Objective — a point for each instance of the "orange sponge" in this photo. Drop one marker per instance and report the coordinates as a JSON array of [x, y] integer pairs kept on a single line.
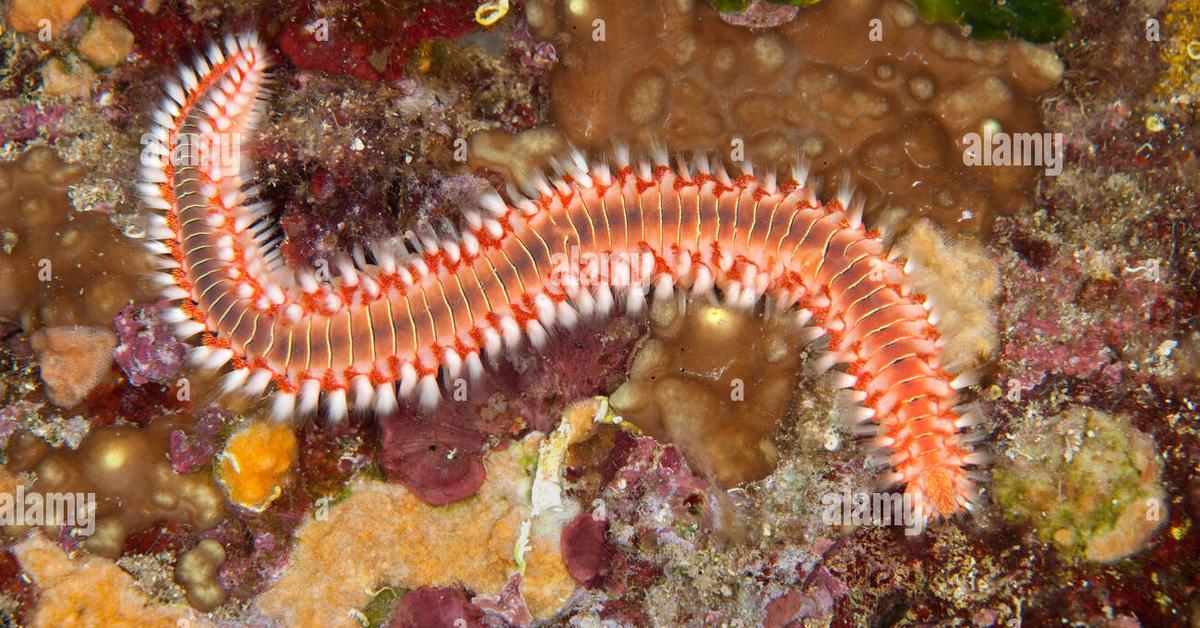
[[255, 461]]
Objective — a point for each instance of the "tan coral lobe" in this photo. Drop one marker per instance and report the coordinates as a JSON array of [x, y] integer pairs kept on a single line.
[[128, 471], [72, 360], [60, 266], [715, 382]]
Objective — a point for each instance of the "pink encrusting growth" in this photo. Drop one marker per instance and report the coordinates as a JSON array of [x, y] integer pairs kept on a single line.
[[588, 241]]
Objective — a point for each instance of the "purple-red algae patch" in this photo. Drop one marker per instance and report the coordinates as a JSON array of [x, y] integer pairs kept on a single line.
[[147, 349], [586, 551], [438, 457], [435, 606]]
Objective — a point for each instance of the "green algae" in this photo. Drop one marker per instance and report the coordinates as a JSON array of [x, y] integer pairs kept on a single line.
[[1039, 21], [379, 610], [1090, 486]]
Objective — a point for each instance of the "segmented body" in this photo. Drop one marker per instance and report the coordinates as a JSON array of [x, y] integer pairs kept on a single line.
[[593, 239]]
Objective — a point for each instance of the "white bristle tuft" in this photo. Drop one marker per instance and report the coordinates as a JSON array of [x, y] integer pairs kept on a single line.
[[474, 366], [218, 358], [408, 380], [385, 398], [881, 442], [256, 385], [969, 420], [430, 393], [511, 333], [364, 392], [537, 334], [283, 406], [825, 361], [335, 405], [862, 414], [978, 458], [566, 315], [199, 355], [492, 342], [156, 247], [235, 380], [635, 300], [966, 379], [494, 205], [453, 363], [842, 380], [189, 328], [310, 395]]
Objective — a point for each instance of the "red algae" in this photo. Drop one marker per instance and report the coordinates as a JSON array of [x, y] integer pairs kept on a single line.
[[586, 551], [163, 30], [439, 457], [373, 41], [429, 606], [147, 351]]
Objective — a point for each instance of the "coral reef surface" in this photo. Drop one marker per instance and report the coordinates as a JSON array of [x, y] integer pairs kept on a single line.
[[1032, 165]]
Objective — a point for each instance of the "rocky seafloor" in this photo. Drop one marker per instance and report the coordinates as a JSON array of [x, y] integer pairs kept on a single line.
[[611, 479]]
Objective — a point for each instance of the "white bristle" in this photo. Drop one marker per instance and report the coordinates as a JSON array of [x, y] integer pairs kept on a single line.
[[189, 328], [537, 334], [966, 379], [218, 358], [257, 383], [453, 363], [385, 398], [825, 361], [978, 458], [283, 406], [430, 393], [474, 365], [408, 380], [234, 381], [861, 414], [511, 333], [174, 315], [968, 420], [635, 300], [493, 204], [310, 395], [364, 392], [492, 342], [335, 405], [842, 380]]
